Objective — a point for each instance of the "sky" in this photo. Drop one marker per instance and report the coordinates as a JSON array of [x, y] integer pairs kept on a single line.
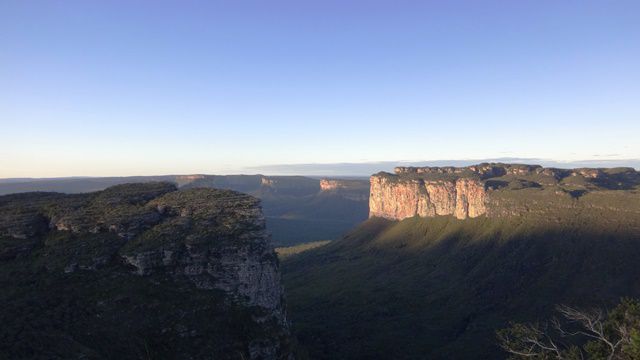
[[105, 88]]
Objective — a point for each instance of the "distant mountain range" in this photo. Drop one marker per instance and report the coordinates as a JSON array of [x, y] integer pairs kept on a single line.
[[368, 168]]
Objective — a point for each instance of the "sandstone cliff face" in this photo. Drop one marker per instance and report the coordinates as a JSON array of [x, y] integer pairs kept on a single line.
[[394, 199], [337, 184], [207, 249], [330, 185], [240, 262], [355, 190], [490, 189], [288, 185]]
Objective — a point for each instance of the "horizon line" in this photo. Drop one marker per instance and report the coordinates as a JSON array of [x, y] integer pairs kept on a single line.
[[359, 169]]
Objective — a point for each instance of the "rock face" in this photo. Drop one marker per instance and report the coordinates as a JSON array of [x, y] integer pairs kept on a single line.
[[242, 262], [393, 199], [182, 180], [335, 184], [487, 189], [355, 190], [290, 185], [208, 250]]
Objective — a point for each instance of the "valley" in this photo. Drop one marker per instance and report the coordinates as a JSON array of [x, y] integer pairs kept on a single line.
[[298, 209], [447, 257], [429, 276]]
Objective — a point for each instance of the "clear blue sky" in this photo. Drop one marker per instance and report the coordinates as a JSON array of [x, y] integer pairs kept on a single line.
[[154, 87]]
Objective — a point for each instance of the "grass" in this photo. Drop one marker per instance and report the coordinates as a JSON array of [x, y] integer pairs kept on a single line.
[[438, 288], [285, 252]]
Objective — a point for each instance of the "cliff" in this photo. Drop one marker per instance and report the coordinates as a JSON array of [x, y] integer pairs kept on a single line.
[[140, 269], [355, 190], [288, 185], [338, 184], [296, 207], [497, 190]]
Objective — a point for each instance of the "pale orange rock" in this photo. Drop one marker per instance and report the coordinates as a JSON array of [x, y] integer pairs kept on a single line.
[[393, 199], [329, 185], [486, 189]]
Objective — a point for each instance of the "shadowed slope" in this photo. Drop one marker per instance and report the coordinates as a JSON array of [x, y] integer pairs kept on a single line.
[[440, 287]]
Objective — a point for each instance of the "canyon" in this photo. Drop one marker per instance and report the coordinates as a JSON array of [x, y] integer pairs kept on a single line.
[[299, 209], [186, 267]]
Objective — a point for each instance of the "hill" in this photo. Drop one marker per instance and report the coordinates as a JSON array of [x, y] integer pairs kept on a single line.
[[139, 271], [424, 285]]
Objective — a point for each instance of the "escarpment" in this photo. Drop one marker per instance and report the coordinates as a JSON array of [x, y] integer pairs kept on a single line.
[[394, 199], [497, 190], [339, 184], [354, 190], [144, 269]]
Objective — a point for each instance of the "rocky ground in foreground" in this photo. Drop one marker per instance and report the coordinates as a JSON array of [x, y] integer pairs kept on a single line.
[[139, 271]]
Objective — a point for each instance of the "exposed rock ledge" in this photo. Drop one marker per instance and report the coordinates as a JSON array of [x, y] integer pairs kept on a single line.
[[188, 243], [401, 199], [468, 192]]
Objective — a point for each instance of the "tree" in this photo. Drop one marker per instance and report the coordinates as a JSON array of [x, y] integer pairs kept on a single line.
[[578, 334]]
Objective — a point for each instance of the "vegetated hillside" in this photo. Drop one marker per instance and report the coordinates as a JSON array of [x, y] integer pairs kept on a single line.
[[139, 271], [439, 287], [284, 252], [297, 208]]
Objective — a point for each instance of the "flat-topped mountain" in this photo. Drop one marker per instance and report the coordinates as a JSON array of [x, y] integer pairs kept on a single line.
[[139, 271], [499, 190], [357, 190], [451, 255]]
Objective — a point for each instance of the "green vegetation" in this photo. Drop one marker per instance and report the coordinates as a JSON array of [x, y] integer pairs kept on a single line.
[[285, 252], [429, 176], [578, 334], [439, 288], [111, 314], [68, 292], [296, 210]]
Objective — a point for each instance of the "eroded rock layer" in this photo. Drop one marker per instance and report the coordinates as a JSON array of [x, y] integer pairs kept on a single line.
[[491, 189], [205, 251], [355, 190]]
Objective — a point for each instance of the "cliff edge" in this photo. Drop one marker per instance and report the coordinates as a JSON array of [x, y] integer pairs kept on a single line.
[[498, 190], [139, 270]]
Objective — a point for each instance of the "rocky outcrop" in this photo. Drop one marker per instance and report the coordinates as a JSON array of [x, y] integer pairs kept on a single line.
[[182, 180], [229, 249], [290, 185], [337, 184], [354, 190], [395, 199], [185, 244], [488, 189]]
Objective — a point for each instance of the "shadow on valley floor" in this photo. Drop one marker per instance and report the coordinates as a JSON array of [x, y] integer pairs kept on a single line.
[[439, 288]]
